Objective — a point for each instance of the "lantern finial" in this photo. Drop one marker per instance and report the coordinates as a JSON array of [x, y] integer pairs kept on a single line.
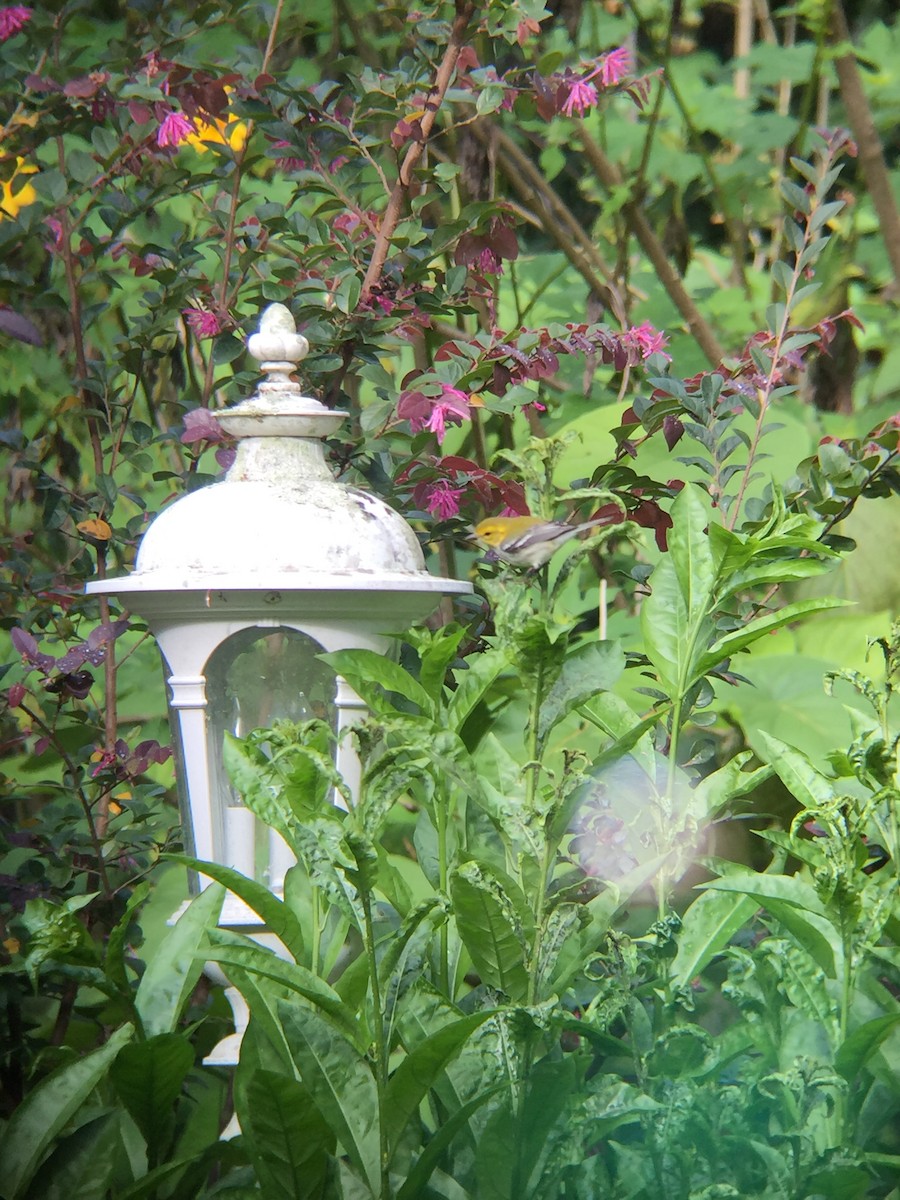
[[277, 340]]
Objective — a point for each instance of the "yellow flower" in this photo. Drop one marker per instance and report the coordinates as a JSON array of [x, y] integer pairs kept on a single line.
[[13, 194], [231, 133]]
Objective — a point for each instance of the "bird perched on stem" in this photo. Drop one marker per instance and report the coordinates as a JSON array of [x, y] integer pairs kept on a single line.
[[527, 541]]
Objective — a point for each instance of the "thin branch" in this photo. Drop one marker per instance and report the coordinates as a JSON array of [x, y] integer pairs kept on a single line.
[[464, 12], [871, 153], [558, 221], [611, 178]]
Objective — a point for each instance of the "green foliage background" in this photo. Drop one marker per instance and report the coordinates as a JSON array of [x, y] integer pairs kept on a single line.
[[675, 211]]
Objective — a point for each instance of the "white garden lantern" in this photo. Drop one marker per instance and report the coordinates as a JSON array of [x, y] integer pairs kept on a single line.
[[243, 583]]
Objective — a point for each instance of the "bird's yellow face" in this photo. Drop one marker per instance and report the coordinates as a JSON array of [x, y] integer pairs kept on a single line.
[[495, 530]]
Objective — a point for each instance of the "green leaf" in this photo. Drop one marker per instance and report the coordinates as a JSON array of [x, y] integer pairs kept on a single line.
[[811, 789], [273, 913], [114, 963], [250, 772], [81, 1165], [341, 1084], [287, 1138], [490, 929], [413, 1078], [173, 971], [593, 668], [418, 1176], [786, 889], [226, 348], [369, 672], [726, 646], [676, 617], [347, 297], [858, 1048], [48, 1108], [795, 905], [708, 925], [728, 783], [231, 949], [148, 1077]]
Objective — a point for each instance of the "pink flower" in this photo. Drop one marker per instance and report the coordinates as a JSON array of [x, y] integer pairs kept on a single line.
[[582, 96], [615, 66], [451, 408], [434, 413], [647, 340], [490, 262], [174, 129], [443, 499], [204, 324], [12, 19]]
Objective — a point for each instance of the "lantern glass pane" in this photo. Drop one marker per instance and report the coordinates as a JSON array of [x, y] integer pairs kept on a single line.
[[253, 679]]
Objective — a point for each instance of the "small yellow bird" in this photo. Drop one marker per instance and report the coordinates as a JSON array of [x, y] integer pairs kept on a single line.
[[527, 541]]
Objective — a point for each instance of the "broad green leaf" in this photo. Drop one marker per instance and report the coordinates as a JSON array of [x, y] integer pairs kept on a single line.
[[666, 629], [341, 1084], [811, 789], [708, 925], [250, 773], [490, 929], [728, 783], [473, 684], [691, 553], [676, 616], [731, 643], [288, 1140], [595, 667], [516, 1143], [413, 1078], [857, 1049], [437, 656], [562, 948], [795, 905], [172, 973], [274, 913], [231, 949], [81, 1165], [148, 1077], [425, 1164], [787, 889], [48, 1108], [262, 996], [618, 720], [368, 672]]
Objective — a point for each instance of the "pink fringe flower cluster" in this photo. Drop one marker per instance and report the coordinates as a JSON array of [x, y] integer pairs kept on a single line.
[[610, 70], [13, 18], [204, 324], [647, 340], [435, 413], [174, 129]]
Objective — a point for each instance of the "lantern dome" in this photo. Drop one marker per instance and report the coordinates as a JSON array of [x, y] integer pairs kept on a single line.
[[280, 520]]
